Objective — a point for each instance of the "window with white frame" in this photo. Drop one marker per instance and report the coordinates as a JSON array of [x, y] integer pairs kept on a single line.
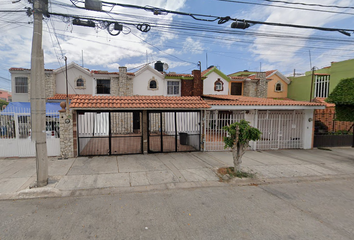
[[172, 88], [278, 87], [218, 85], [321, 86], [21, 84], [103, 86]]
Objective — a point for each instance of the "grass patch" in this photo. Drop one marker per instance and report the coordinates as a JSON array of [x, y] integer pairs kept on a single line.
[[229, 171]]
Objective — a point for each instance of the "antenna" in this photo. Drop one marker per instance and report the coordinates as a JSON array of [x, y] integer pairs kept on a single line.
[[206, 56], [82, 58], [310, 58]]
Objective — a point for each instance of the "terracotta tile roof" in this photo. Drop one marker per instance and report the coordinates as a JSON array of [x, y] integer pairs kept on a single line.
[[207, 70], [178, 75], [26, 69], [322, 100], [237, 77], [106, 72], [322, 74], [253, 101], [63, 96], [137, 102]]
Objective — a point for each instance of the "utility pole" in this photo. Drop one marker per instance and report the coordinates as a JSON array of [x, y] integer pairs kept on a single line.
[[37, 94]]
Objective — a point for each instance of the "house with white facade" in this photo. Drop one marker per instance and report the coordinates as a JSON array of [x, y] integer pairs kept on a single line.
[[132, 108]]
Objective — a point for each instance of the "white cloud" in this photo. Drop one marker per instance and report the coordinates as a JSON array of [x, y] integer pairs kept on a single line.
[[288, 53], [99, 48], [192, 46]]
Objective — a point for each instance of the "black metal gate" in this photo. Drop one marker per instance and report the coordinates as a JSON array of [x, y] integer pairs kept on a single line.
[[175, 131], [109, 133]]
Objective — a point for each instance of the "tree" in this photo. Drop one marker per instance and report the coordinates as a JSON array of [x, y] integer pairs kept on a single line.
[[2, 103], [343, 96], [239, 135]]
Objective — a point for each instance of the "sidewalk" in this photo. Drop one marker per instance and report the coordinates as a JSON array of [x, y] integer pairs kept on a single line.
[[114, 174]]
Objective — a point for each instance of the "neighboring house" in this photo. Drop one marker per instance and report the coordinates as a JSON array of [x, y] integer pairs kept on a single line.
[[277, 83], [324, 81], [146, 81], [284, 123], [5, 95], [270, 84], [20, 84]]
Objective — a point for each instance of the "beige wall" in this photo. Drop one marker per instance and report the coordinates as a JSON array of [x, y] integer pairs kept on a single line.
[[271, 88]]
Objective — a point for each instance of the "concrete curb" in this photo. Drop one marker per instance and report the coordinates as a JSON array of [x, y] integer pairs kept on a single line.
[[50, 192]]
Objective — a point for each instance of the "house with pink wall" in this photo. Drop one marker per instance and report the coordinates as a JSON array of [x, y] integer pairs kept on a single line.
[[5, 95]]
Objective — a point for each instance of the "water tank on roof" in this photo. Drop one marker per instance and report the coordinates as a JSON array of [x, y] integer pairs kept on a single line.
[[159, 66]]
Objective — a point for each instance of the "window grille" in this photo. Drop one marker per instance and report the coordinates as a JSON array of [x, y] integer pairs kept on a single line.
[[173, 88], [321, 86], [21, 84], [103, 86]]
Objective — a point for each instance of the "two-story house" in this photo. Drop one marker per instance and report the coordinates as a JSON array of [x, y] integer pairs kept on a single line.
[[320, 82], [269, 84]]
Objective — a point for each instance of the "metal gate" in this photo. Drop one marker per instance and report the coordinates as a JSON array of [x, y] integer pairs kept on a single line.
[[15, 133], [214, 122], [109, 133], [280, 129], [174, 131]]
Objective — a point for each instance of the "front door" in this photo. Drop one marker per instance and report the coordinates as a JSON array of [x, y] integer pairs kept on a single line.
[[236, 88]]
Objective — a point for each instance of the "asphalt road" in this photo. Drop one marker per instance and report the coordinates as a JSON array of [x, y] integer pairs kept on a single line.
[[307, 210]]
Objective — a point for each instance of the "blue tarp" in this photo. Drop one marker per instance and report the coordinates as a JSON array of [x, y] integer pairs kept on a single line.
[[25, 107]]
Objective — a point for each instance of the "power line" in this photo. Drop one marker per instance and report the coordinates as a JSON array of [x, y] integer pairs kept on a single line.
[[279, 6], [221, 20], [310, 4]]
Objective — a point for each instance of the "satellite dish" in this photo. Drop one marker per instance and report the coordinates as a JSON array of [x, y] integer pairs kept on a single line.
[[165, 66]]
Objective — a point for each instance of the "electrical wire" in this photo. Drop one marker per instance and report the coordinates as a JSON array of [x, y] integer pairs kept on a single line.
[[287, 7], [310, 4], [222, 20]]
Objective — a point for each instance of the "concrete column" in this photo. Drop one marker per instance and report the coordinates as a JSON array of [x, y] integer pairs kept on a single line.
[[145, 132], [37, 95]]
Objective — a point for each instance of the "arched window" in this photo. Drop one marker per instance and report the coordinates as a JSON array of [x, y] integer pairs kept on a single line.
[[153, 84], [80, 83], [278, 87], [218, 85]]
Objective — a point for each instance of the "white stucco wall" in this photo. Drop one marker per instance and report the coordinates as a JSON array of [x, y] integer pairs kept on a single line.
[[74, 74], [141, 84], [307, 134], [19, 97], [208, 84]]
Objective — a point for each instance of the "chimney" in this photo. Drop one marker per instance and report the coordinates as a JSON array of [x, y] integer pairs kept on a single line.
[[262, 85], [123, 82], [197, 83]]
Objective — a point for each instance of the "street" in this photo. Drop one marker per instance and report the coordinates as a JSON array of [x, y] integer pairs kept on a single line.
[[306, 210]]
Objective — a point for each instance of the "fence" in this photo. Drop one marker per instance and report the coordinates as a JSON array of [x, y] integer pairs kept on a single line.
[[15, 133], [280, 129], [329, 132], [214, 122]]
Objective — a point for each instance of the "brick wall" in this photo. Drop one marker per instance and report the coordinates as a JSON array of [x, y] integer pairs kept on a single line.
[[327, 117], [186, 87], [197, 83]]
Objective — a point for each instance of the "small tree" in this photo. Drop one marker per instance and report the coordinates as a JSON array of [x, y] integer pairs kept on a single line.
[[2, 103], [239, 135]]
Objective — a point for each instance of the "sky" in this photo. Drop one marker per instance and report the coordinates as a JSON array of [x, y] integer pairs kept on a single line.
[[181, 41]]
